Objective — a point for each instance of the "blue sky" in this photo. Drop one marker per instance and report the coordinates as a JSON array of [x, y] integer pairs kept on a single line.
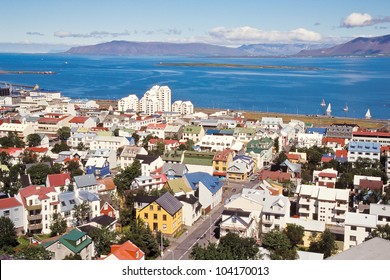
[[223, 22]]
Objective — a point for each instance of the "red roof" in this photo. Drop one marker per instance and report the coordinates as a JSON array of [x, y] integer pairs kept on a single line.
[[108, 182], [58, 180], [37, 149], [326, 174], [127, 251], [222, 155], [157, 126], [50, 120], [293, 156], [10, 151], [40, 191], [326, 159], [339, 141], [275, 175], [370, 184], [371, 133], [341, 153], [11, 202], [79, 120]]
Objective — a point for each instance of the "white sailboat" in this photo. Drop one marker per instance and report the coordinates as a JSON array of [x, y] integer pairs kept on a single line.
[[328, 110], [346, 108], [323, 104], [368, 114]]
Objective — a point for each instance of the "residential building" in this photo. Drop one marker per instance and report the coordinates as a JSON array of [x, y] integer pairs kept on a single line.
[[271, 123], [98, 166], [22, 130], [12, 208], [127, 251], [84, 122], [213, 143], [173, 131], [162, 213], [67, 201], [157, 99], [128, 103], [207, 188], [221, 162], [382, 138], [58, 181], [198, 161], [129, 153], [86, 182], [149, 164], [169, 145], [307, 140], [364, 150], [244, 134], [174, 170], [156, 130], [240, 168], [322, 204], [193, 133], [75, 242], [341, 130], [239, 222], [183, 107], [149, 183], [275, 213], [357, 228], [192, 209], [109, 142], [382, 213], [326, 177], [310, 227]]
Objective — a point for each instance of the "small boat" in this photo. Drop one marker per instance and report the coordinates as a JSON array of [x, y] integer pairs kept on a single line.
[[328, 110], [323, 104], [368, 115], [346, 108]]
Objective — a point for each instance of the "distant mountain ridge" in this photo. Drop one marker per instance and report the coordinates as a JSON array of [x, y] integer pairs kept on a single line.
[[357, 47]]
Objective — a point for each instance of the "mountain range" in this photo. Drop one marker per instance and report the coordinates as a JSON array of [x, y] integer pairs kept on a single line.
[[356, 47]]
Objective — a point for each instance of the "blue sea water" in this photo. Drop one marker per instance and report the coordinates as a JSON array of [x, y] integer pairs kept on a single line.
[[360, 83]]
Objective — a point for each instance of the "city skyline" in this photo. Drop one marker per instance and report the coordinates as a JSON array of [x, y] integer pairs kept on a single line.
[[230, 23]]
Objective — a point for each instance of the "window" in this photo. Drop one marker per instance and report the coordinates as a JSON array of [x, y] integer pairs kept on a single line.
[[352, 238], [353, 227], [158, 208], [151, 207], [63, 203], [146, 216], [155, 216], [368, 230], [72, 201], [6, 213], [164, 217]]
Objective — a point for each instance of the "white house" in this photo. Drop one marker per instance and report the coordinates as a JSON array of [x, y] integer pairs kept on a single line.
[[307, 140], [22, 130], [192, 209], [129, 153], [109, 142], [275, 213], [128, 103], [239, 222], [326, 177], [358, 227], [13, 209], [183, 107], [364, 150]]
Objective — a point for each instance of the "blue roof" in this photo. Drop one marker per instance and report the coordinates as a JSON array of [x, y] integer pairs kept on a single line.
[[131, 141], [319, 130], [212, 131], [358, 146], [212, 183]]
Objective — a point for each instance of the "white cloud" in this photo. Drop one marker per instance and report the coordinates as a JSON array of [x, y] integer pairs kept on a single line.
[[93, 34], [357, 20], [35, 33], [247, 34]]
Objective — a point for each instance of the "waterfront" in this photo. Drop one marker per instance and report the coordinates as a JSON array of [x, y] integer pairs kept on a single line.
[[296, 86]]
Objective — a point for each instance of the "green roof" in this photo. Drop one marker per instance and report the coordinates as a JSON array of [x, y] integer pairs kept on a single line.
[[246, 130], [178, 185], [192, 129], [104, 133], [198, 158], [172, 156], [69, 240], [257, 146]]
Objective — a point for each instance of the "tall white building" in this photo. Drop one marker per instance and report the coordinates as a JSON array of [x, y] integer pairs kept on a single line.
[[183, 107], [128, 103], [158, 98]]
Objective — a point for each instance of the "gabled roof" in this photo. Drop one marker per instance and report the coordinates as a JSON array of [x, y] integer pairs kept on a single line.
[[210, 182], [85, 180], [79, 120], [294, 167], [57, 180], [190, 199], [126, 251], [170, 203], [146, 159], [10, 202], [67, 201], [103, 220], [178, 168], [40, 191], [69, 240], [88, 196], [222, 155], [179, 185], [373, 249]]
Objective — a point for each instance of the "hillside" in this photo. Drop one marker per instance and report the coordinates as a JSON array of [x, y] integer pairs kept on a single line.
[[356, 47]]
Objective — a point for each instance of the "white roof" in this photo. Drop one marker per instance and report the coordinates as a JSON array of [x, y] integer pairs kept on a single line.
[[309, 256], [380, 209], [309, 225], [323, 193], [96, 161], [360, 219]]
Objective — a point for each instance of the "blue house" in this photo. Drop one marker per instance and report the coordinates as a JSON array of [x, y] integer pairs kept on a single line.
[[98, 166]]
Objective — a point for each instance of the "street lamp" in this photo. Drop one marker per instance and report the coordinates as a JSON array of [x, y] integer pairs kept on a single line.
[[173, 253]]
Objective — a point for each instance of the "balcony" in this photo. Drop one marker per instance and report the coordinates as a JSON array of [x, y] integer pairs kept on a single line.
[[34, 227], [341, 207], [268, 222], [304, 201], [34, 217], [304, 210], [34, 207]]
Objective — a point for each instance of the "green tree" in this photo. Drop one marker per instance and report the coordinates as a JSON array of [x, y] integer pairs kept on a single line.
[[295, 234], [81, 213], [325, 244], [124, 179], [29, 157], [116, 132], [279, 246], [63, 133], [72, 257], [33, 252], [165, 240], [81, 146], [33, 140], [159, 149], [58, 225], [5, 159], [136, 138], [56, 168], [38, 173], [276, 144], [8, 236], [381, 231], [103, 239], [280, 158], [230, 247], [58, 148], [12, 140], [73, 167]]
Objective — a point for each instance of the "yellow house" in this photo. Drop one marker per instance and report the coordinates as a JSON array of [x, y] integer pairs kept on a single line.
[[162, 213], [221, 162]]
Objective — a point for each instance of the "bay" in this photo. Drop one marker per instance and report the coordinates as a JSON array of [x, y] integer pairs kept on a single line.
[[359, 83]]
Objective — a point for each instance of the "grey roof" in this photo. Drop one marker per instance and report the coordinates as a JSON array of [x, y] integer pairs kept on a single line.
[[85, 180], [276, 205], [178, 168], [88, 196], [170, 203], [65, 201], [373, 249], [295, 167], [29, 165], [190, 199]]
